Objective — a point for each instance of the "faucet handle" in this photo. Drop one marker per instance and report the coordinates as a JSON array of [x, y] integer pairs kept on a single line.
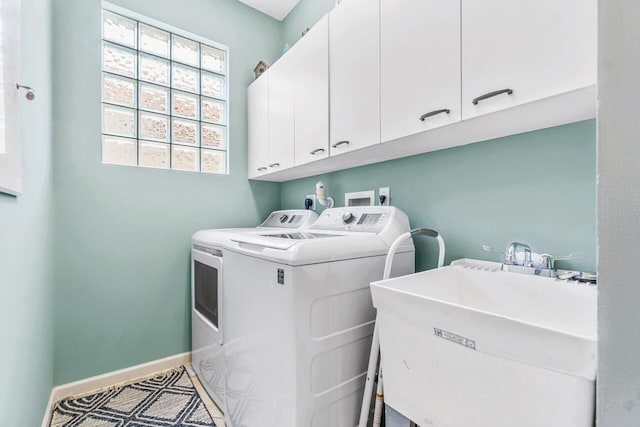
[[547, 261]]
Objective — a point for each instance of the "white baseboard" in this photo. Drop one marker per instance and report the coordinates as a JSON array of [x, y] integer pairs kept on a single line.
[[112, 378], [47, 412]]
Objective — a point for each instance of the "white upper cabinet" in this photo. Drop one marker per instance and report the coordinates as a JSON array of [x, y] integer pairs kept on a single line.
[[258, 126], [420, 75], [518, 51], [311, 58], [281, 114], [420, 65], [354, 75]]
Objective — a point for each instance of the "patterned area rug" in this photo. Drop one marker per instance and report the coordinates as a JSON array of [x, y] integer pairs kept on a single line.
[[166, 399]]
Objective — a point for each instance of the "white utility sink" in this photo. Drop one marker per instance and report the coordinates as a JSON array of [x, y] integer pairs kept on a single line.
[[472, 346]]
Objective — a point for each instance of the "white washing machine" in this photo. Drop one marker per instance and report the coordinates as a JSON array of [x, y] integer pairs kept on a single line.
[[208, 313], [298, 337]]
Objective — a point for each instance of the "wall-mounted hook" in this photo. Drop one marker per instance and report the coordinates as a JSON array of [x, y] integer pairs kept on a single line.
[[30, 93]]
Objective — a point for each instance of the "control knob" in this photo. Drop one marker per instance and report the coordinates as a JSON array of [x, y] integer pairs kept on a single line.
[[347, 217], [284, 218]]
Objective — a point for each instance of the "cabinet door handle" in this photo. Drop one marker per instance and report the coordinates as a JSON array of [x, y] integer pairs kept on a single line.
[[434, 113], [339, 143], [317, 150], [491, 95], [262, 168], [274, 165]]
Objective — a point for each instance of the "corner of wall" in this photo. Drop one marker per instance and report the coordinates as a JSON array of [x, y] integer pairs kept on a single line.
[[26, 236]]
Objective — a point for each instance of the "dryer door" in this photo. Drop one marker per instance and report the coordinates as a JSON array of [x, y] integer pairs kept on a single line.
[[207, 288]]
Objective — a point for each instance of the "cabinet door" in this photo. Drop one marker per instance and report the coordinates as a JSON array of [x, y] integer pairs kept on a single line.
[[420, 65], [258, 126], [354, 75], [281, 114], [311, 57], [518, 51]]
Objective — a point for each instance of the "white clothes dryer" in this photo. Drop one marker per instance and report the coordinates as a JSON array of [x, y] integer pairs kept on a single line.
[[299, 317], [208, 312]]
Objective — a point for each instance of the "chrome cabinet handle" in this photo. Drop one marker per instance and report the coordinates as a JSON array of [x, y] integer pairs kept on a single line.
[[262, 168], [317, 150], [274, 165], [434, 113], [339, 143], [491, 95]]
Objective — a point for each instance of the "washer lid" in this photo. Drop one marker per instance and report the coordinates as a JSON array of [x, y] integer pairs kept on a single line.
[[312, 249], [278, 221], [298, 235], [280, 241]]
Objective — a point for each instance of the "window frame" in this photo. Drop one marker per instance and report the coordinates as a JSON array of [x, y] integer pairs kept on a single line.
[[11, 156], [202, 41]]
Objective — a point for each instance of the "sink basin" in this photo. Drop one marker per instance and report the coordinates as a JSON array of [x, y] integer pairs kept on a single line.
[[470, 345]]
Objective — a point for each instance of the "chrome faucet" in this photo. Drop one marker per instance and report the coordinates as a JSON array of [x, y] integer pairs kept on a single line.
[[511, 258], [530, 262], [541, 266]]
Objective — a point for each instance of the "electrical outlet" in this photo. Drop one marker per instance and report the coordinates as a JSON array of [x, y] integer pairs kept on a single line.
[[386, 192], [313, 201]]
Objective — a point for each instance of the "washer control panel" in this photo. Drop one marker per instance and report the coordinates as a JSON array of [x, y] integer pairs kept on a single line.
[[368, 219], [295, 218]]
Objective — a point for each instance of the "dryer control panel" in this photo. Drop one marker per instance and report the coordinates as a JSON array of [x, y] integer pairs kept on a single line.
[[367, 219]]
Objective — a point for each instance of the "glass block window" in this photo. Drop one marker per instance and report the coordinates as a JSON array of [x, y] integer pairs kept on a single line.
[[164, 97]]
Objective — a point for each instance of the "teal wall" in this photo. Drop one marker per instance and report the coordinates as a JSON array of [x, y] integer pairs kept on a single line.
[[538, 188], [26, 364], [304, 16], [122, 234]]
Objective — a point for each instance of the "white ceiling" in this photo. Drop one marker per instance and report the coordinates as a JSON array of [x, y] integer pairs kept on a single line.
[[278, 9]]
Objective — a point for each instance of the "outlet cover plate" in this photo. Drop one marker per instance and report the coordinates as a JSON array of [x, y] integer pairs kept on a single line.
[[313, 198], [385, 191]]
